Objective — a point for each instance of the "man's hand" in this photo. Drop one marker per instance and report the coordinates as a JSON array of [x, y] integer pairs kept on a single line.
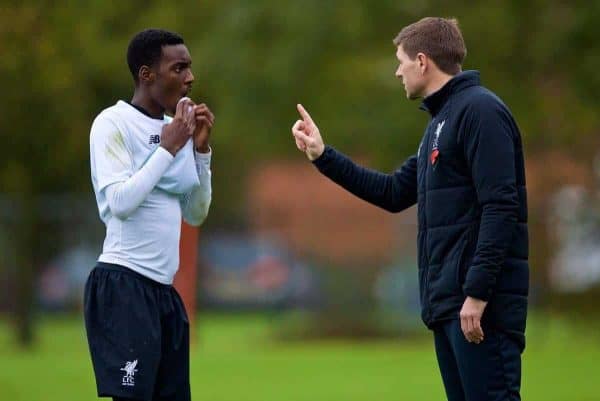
[[307, 135], [175, 134], [470, 319], [205, 120]]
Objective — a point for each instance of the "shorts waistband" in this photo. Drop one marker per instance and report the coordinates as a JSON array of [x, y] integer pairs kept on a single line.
[[126, 270]]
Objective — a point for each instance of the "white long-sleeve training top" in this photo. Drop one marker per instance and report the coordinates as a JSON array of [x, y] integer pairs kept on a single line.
[[142, 191]]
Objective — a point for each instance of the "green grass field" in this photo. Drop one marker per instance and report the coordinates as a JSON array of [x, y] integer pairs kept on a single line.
[[235, 359]]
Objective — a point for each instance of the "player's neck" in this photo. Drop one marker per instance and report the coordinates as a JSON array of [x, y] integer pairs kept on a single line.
[[145, 102]]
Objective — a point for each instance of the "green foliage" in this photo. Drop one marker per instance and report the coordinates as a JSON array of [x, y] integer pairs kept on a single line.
[[254, 60]]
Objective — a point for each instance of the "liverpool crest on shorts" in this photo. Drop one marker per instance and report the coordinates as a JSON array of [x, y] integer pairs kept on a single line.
[[129, 369]]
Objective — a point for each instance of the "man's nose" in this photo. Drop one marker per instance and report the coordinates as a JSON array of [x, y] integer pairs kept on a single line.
[[189, 79]]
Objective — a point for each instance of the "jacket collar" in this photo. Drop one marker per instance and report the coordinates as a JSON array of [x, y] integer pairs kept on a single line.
[[434, 102]]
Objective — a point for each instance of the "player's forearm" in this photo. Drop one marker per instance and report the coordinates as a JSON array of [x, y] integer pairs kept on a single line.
[[125, 197], [196, 204]]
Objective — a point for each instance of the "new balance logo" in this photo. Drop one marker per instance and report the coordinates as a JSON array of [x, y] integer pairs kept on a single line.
[[154, 139], [129, 369]]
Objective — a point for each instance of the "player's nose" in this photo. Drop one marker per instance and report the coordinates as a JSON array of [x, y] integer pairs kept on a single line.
[[189, 78]]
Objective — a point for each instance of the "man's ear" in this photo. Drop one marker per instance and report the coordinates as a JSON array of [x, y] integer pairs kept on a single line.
[[146, 74], [422, 62]]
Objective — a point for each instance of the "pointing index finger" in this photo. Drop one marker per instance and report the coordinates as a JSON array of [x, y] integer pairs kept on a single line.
[[305, 116]]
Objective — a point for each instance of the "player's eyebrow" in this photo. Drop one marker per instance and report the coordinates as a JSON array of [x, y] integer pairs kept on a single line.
[[183, 61]]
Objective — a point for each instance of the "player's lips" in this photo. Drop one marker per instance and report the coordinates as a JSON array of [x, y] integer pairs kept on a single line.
[[184, 93]]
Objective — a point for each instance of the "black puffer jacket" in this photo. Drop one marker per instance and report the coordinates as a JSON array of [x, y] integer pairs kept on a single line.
[[468, 179]]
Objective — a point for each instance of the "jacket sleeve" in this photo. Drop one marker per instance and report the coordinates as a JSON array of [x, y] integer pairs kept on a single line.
[[392, 192], [489, 142]]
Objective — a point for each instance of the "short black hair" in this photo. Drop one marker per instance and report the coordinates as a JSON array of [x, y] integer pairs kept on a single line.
[[145, 48]]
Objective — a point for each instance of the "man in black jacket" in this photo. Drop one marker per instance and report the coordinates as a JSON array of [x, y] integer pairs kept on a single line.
[[468, 180]]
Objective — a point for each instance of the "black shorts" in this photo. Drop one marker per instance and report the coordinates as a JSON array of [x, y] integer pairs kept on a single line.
[[138, 334]]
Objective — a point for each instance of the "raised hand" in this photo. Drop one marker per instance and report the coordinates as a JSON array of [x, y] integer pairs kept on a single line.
[[175, 134], [205, 120], [307, 136]]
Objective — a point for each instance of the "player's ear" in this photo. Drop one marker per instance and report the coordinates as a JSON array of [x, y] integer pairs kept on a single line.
[[145, 74]]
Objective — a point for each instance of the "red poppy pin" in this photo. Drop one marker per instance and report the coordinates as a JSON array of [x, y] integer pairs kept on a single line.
[[434, 156]]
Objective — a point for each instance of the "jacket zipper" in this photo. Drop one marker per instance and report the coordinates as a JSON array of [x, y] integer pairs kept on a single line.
[[427, 151]]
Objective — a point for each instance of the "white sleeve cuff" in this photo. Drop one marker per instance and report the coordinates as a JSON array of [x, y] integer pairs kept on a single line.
[[203, 159]]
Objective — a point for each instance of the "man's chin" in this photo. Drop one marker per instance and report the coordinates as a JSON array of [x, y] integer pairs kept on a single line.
[[412, 96], [170, 109]]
